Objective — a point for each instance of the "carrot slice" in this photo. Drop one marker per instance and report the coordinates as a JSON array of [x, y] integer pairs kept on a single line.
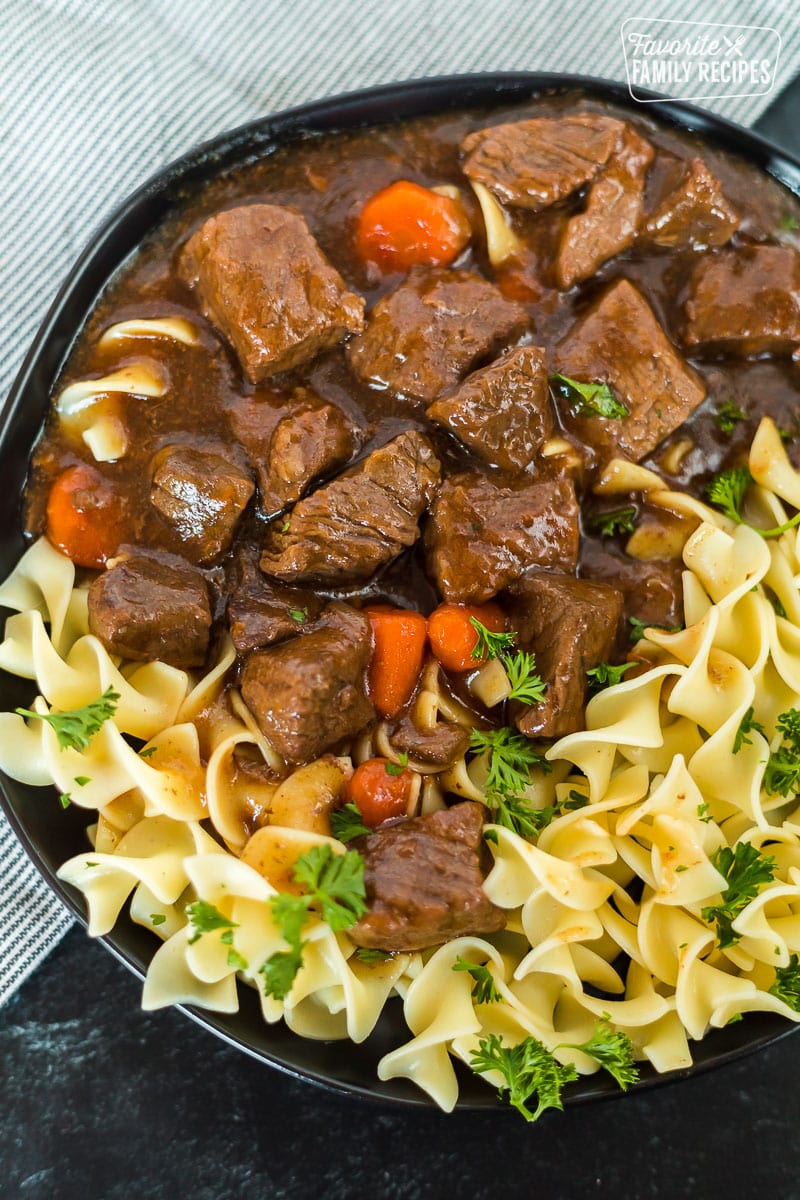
[[86, 517], [377, 793], [453, 637], [406, 224], [398, 641]]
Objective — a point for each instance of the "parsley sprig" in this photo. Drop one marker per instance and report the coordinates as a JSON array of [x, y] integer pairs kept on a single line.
[[76, 727], [747, 725], [729, 415], [529, 1069], [787, 983], [205, 918], [347, 824], [591, 399], [745, 869], [782, 775], [335, 888], [618, 520], [606, 675], [526, 685], [510, 760], [728, 490], [484, 990]]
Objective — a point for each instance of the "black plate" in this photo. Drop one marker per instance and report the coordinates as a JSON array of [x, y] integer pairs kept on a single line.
[[51, 836]]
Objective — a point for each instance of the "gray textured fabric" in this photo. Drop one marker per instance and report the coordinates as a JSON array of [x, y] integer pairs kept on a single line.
[[95, 95]]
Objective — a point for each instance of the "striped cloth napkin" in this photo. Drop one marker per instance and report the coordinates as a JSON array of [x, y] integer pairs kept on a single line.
[[95, 95]]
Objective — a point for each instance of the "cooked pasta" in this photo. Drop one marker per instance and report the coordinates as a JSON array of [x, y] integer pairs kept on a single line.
[[628, 872]]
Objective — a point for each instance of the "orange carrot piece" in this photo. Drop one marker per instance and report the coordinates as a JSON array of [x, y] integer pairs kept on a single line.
[[398, 648], [377, 793], [453, 638], [406, 224], [85, 516]]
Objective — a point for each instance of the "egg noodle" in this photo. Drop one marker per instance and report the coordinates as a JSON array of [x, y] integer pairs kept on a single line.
[[669, 771]]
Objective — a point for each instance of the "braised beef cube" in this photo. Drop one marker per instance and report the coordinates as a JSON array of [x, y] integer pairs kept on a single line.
[[746, 301], [534, 163], [361, 520], [482, 535], [571, 626], [309, 693], [431, 330], [290, 442], [261, 612], [424, 882], [613, 213], [620, 342], [695, 214], [202, 496], [653, 590], [146, 610], [264, 282], [501, 412], [442, 745]]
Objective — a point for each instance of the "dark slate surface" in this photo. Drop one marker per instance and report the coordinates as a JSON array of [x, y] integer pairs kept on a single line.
[[99, 1101]]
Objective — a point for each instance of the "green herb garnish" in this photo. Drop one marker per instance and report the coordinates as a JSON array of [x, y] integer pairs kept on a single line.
[[76, 727], [490, 644], [606, 675], [299, 615], [526, 685], [335, 887], [619, 520], [591, 399], [484, 990], [729, 415], [397, 768], [65, 799], [787, 983], [747, 725], [728, 490], [782, 775], [745, 870], [205, 918], [347, 824], [367, 954]]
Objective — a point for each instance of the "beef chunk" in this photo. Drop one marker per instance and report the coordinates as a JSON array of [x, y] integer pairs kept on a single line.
[[533, 163], [571, 626], [264, 282], [613, 212], [438, 324], [361, 520], [202, 496], [290, 443], [424, 882], [501, 412], [653, 590], [261, 611], [309, 693], [620, 342], [695, 214], [746, 301], [482, 535], [441, 745], [144, 609]]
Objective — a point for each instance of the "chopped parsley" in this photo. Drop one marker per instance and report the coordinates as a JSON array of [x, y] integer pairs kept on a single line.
[[782, 775], [157, 918], [82, 780], [529, 1069], [299, 615], [728, 490], [397, 768], [367, 954], [747, 725], [618, 520], [510, 759], [639, 628], [606, 675], [729, 415], [574, 801], [65, 799], [335, 887], [787, 983], [347, 824], [484, 990], [591, 399], [148, 752], [788, 222], [526, 685], [76, 727], [490, 644], [205, 918], [745, 868]]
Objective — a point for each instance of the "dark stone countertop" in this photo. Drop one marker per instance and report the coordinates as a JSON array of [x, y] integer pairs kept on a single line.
[[100, 1101]]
